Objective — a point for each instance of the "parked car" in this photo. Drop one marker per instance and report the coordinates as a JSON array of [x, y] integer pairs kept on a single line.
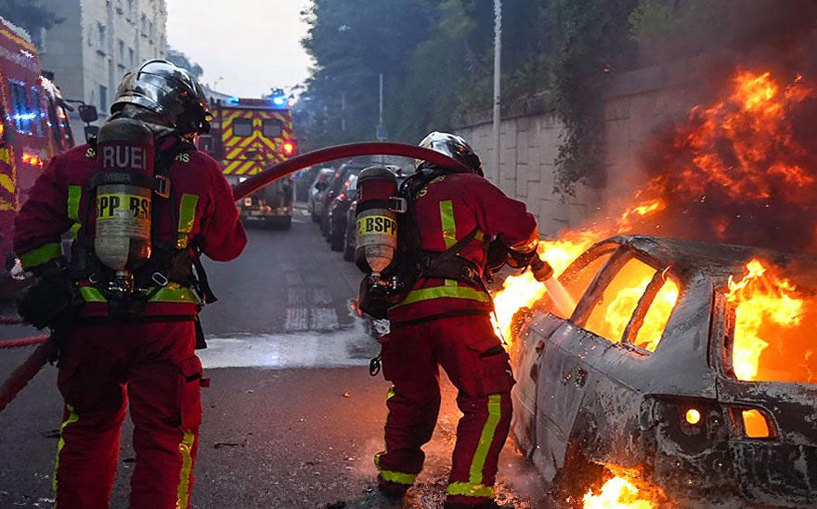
[[350, 236], [333, 190], [317, 191], [339, 207], [666, 401]]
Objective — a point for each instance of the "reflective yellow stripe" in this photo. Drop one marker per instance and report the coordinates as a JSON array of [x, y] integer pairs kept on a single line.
[[172, 293], [391, 393], [186, 450], [479, 237], [74, 197], [474, 486], [451, 290], [448, 222], [187, 218], [467, 489], [91, 294], [72, 418], [487, 438], [175, 293], [41, 255], [392, 476]]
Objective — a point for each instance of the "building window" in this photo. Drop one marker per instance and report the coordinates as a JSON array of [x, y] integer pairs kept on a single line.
[[103, 98], [131, 57], [121, 51], [102, 36]]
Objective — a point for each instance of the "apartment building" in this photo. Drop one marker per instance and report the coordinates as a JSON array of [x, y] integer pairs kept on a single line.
[[97, 42]]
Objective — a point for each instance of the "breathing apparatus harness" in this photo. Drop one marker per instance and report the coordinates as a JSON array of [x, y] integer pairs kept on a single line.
[[169, 262], [411, 263], [132, 269]]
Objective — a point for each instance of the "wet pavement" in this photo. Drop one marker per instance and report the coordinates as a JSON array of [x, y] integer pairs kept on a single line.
[[292, 419]]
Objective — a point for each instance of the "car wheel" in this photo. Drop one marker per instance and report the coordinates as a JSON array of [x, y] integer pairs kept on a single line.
[[348, 249], [325, 225], [286, 224], [336, 241], [577, 474]]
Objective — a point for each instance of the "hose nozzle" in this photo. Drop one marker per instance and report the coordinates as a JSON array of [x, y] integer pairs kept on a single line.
[[541, 269]]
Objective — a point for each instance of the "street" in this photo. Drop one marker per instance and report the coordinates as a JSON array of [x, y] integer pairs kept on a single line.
[[292, 418]]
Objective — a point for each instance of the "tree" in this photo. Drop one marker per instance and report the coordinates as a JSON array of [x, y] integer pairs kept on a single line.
[[30, 15]]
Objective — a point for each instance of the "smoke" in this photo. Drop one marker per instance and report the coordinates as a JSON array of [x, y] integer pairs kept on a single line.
[[742, 166]]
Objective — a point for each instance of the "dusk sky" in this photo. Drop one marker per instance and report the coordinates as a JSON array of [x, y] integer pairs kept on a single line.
[[245, 47]]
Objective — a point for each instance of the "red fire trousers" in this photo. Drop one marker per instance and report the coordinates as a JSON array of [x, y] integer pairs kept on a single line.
[[473, 357], [154, 367]]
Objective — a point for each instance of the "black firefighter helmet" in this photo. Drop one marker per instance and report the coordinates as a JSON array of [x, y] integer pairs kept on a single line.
[[170, 92], [454, 147]]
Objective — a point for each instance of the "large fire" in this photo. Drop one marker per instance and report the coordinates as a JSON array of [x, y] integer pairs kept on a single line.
[[740, 153], [738, 171]]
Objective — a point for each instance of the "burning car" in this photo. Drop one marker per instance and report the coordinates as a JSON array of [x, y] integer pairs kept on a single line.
[[686, 368]]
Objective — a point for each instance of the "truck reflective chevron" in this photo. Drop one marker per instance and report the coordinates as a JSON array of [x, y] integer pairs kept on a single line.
[[247, 137]]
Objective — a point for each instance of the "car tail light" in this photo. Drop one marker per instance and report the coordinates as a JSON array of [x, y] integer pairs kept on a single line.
[[693, 416], [754, 423]]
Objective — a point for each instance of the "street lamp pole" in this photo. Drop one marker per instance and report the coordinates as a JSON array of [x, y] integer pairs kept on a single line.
[[497, 86]]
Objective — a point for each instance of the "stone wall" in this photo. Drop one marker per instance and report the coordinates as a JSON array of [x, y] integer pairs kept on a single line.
[[640, 104]]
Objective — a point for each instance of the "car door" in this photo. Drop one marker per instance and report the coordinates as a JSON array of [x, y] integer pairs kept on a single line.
[[557, 373], [624, 321]]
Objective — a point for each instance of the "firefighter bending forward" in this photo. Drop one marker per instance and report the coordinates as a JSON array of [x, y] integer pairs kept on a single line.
[[134, 346], [447, 322]]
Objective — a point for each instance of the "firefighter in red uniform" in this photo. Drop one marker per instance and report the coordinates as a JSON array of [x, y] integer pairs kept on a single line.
[[446, 321], [140, 354]]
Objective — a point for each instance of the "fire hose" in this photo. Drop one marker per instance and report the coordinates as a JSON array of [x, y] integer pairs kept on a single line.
[[46, 349]]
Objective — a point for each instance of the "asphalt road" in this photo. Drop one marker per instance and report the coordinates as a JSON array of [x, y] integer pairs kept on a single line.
[[292, 419]]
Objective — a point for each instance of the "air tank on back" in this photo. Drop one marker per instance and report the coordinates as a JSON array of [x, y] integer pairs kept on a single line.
[[124, 194], [376, 222]]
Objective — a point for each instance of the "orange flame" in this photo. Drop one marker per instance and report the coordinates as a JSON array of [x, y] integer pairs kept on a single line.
[[763, 303], [617, 493], [625, 490]]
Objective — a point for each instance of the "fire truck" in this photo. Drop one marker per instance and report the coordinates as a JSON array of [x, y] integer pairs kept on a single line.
[[249, 135], [34, 126]]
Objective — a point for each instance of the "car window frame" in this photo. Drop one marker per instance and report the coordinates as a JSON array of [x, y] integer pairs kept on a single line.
[[580, 263], [596, 288], [643, 307], [605, 276]]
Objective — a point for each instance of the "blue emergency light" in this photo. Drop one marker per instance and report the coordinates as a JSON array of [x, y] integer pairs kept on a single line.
[[279, 100]]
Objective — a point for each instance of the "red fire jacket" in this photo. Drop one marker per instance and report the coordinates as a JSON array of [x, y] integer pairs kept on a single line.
[[204, 209], [448, 209]]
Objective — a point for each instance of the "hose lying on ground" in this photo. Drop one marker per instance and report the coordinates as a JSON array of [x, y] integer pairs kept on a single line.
[[25, 373]]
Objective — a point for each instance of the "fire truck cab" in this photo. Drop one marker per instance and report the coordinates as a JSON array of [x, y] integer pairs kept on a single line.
[[34, 127], [248, 136]]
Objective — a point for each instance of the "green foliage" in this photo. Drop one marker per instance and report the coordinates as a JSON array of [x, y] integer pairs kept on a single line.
[[593, 42], [437, 57], [30, 15]]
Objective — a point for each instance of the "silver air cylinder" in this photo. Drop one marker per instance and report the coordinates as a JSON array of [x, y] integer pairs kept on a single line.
[[376, 223], [124, 195]]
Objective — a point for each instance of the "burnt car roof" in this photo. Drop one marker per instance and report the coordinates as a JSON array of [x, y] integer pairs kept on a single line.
[[718, 260]]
